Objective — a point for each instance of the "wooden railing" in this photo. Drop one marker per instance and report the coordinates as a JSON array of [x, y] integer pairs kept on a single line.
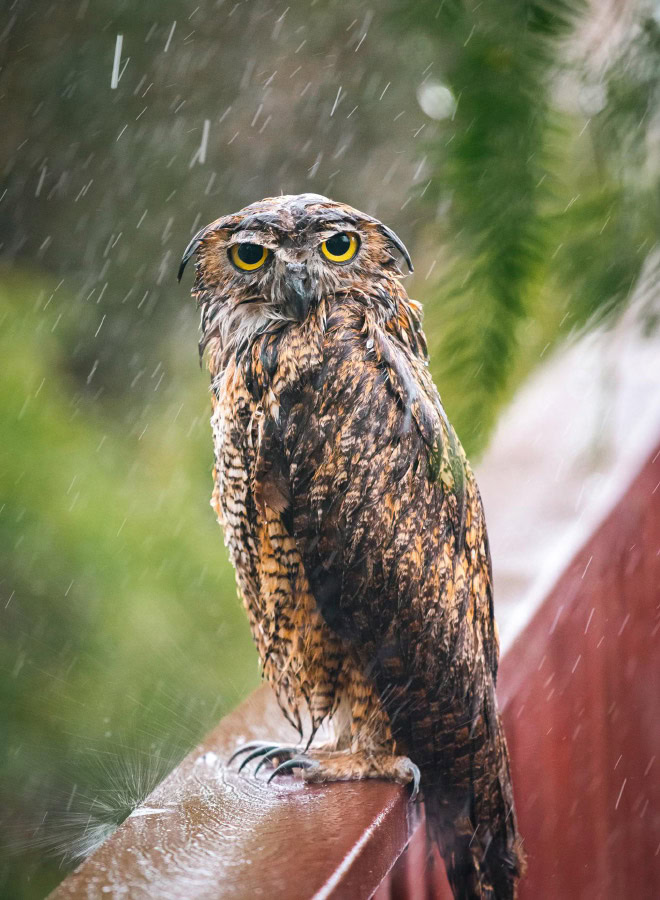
[[580, 692]]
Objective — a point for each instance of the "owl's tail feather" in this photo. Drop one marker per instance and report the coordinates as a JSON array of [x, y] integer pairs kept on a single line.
[[470, 813], [493, 878], [485, 867]]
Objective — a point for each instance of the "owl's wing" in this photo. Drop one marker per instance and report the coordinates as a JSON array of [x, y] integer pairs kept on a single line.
[[389, 525], [390, 529]]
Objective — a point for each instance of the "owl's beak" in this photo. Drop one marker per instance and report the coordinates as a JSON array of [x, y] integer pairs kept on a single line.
[[298, 290]]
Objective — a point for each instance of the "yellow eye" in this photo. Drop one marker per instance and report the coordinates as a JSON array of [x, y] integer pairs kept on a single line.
[[248, 256], [340, 247]]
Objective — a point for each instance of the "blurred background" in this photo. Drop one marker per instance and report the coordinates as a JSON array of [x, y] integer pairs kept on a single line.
[[515, 147]]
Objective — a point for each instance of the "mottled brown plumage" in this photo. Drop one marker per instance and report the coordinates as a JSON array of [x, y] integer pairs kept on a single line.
[[354, 521]]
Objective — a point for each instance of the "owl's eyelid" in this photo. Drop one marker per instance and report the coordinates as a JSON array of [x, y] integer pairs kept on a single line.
[[327, 233], [246, 237]]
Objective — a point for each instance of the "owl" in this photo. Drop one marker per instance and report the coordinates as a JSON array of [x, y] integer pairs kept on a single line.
[[354, 522]]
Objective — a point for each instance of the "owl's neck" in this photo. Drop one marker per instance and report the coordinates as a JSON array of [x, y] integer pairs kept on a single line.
[[259, 337], [229, 331]]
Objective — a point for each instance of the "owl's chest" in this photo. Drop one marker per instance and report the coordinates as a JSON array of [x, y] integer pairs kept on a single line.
[[250, 405], [291, 636], [235, 428]]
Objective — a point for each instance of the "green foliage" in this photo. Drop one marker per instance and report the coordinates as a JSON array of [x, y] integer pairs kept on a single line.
[[120, 618], [612, 220], [487, 173], [530, 213]]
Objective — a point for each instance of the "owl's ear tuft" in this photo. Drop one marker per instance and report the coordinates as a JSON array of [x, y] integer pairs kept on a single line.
[[191, 249], [396, 242]]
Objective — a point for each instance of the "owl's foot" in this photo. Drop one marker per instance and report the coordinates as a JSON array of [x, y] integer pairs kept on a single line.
[[319, 764], [345, 765]]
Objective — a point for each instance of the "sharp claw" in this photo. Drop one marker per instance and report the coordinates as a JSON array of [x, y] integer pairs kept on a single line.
[[253, 755], [295, 763], [270, 754], [416, 778], [249, 746]]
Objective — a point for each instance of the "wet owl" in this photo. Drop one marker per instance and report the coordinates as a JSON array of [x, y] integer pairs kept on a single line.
[[354, 521]]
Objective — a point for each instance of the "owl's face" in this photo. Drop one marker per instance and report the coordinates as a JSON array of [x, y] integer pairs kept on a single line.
[[275, 259]]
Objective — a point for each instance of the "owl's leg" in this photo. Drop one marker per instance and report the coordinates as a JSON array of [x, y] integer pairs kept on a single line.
[[364, 747]]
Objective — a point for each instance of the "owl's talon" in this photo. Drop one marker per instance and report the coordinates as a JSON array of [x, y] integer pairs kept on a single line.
[[273, 754], [298, 762], [416, 778], [259, 751], [245, 748], [406, 772]]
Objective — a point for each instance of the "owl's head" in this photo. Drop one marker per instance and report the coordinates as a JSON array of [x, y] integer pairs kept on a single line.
[[275, 259]]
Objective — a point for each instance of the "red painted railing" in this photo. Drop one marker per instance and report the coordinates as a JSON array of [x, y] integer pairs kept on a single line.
[[580, 691], [580, 694]]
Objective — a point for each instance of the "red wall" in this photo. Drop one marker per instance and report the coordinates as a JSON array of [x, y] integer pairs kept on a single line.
[[580, 694], [580, 690]]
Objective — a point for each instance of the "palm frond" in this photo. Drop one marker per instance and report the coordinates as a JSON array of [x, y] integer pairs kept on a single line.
[[488, 172]]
